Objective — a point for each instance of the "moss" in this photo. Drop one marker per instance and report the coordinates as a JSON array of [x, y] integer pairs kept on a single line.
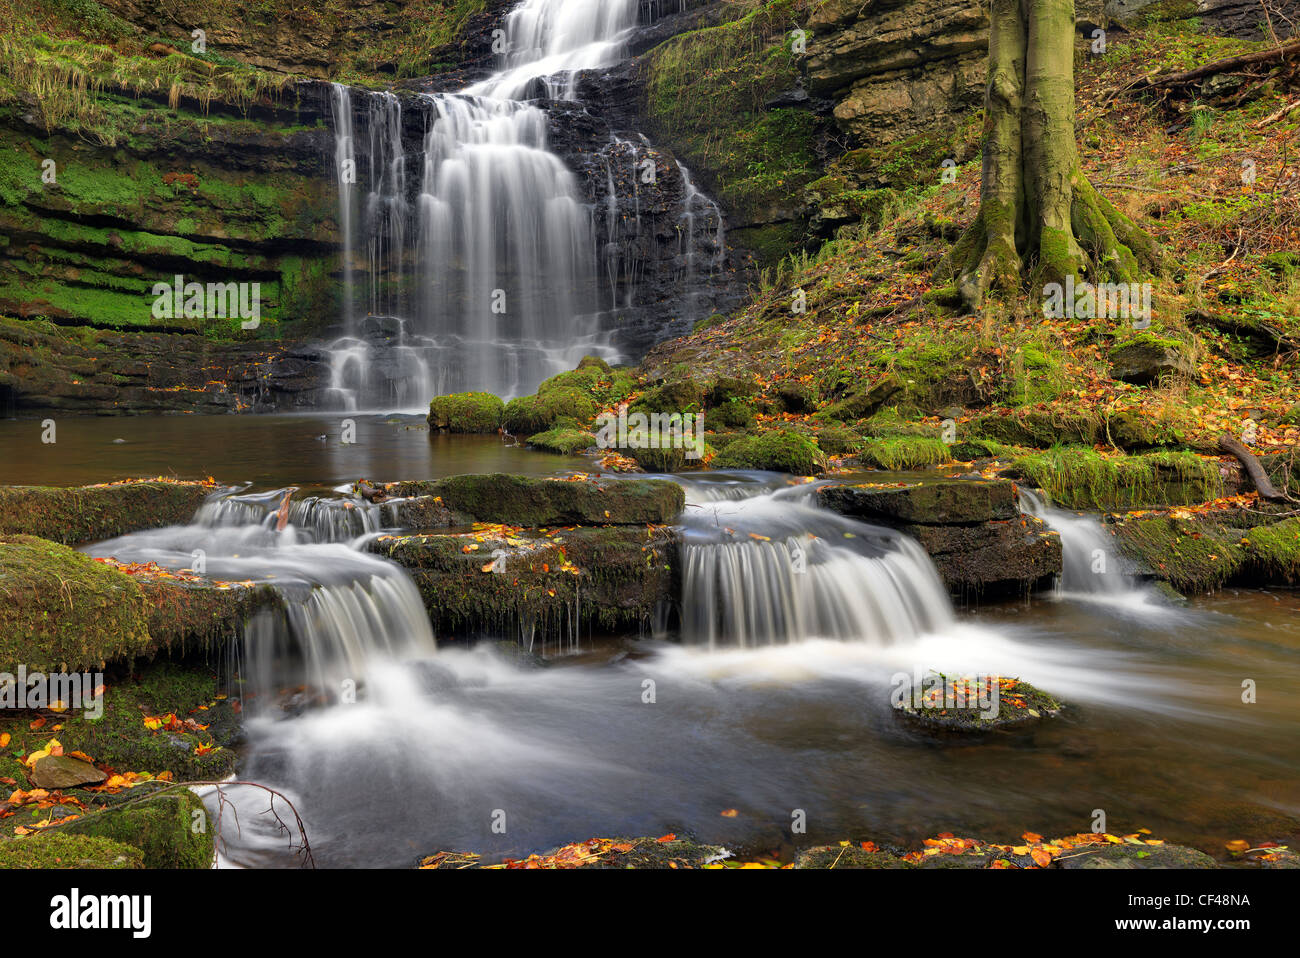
[[566, 442], [904, 452], [526, 415], [525, 501], [779, 451], [1190, 556], [1079, 477], [162, 826], [58, 849], [63, 608], [75, 515], [942, 708], [733, 414], [1275, 550], [677, 396], [469, 412]]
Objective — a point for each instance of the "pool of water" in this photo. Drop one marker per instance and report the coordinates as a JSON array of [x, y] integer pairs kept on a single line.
[[267, 451]]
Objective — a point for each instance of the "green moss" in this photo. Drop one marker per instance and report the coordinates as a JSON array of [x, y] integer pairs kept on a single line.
[[525, 501], [1192, 556], [904, 452], [527, 415], [1275, 549], [61, 607], [565, 442], [706, 91], [1079, 477], [469, 412], [163, 826], [779, 451], [58, 849], [79, 514]]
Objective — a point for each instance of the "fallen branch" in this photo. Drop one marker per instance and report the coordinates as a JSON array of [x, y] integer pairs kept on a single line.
[[1185, 77], [1279, 340], [1276, 115], [1263, 484]]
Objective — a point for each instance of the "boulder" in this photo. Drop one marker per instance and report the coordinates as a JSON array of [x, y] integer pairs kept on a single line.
[[1144, 360], [64, 771], [941, 502]]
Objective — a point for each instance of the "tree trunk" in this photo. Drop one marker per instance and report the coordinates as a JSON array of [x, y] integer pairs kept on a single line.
[[1038, 215]]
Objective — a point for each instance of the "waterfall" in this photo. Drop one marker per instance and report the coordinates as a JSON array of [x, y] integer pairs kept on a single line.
[[1089, 566], [344, 610], [772, 567], [483, 260], [549, 40]]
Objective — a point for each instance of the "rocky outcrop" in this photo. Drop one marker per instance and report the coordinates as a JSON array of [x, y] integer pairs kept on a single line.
[[972, 529], [897, 70], [81, 514]]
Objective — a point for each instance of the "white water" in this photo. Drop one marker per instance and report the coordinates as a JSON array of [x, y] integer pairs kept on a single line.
[[772, 567], [1091, 568], [481, 259], [344, 610]]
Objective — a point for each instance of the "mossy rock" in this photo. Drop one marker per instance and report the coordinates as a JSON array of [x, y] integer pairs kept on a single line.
[[529, 415], [778, 451], [1146, 358], [727, 389], [80, 514], [564, 442], [62, 609], [941, 502], [835, 440], [527, 501], [163, 826], [681, 396], [1126, 856], [846, 856], [119, 738], [733, 414], [1016, 705], [1191, 555], [1275, 550], [864, 402], [59, 849], [1079, 477], [469, 412]]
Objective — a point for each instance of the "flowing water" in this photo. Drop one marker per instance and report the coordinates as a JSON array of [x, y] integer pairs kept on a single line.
[[772, 696], [479, 254]]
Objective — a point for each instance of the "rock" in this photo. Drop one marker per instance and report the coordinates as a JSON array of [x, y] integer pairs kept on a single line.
[[1135, 856], [76, 514], [1146, 359], [942, 502], [779, 451], [468, 412], [64, 771], [998, 558], [964, 705], [526, 501], [846, 856], [58, 849]]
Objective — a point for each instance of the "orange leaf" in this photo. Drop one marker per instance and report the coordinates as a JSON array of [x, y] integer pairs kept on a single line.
[[38, 723], [729, 813], [4, 739], [670, 837]]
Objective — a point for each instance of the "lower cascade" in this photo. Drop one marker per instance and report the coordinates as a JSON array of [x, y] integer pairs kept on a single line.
[[1090, 567], [769, 566]]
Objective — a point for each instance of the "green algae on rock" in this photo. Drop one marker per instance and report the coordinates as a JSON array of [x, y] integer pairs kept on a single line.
[[80, 514]]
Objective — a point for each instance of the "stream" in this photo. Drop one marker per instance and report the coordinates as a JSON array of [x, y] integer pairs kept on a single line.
[[772, 696]]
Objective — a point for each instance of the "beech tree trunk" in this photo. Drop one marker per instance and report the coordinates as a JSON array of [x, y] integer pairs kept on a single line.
[[1038, 215]]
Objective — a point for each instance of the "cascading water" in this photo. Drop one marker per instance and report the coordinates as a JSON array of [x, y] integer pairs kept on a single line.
[[343, 610], [773, 567], [483, 268], [1089, 566]]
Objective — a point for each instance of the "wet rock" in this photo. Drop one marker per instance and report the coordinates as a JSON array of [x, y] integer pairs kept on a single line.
[[999, 558], [64, 771], [973, 705], [942, 502], [846, 856], [76, 514], [1128, 856], [526, 501]]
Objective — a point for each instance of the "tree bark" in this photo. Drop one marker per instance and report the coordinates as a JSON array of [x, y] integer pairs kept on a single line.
[[1038, 213]]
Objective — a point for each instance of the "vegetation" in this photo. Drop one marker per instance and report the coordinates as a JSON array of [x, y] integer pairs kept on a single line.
[[1079, 477]]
